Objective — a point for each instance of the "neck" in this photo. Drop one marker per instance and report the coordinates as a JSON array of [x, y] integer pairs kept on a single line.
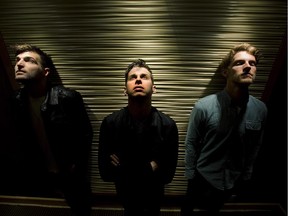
[[139, 108], [239, 94], [36, 89]]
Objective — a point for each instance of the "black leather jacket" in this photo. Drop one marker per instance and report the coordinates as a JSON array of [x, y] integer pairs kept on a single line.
[[67, 127]]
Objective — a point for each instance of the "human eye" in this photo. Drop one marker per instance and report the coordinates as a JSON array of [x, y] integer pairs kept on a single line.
[[30, 59], [239, 62], [17, 59], [144, 76], [252, 63], [132, 77]]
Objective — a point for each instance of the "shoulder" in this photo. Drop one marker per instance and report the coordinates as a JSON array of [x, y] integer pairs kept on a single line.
[[257, 104], [207, 102], [62, 91], [63, 95], [116, 116], [256, 101], [209, 98], [165, 118]]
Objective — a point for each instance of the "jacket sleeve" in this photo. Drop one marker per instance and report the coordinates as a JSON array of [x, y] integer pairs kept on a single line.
[[106, 169], [169, 156], [84, 132]]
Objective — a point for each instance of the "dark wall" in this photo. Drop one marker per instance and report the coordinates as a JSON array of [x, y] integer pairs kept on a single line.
[[270, 175], [7, 131]]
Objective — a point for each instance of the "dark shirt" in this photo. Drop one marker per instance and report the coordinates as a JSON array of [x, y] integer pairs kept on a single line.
[[223, 140]]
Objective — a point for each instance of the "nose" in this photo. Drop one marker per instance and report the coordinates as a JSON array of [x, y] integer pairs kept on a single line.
[[247, 67], [247, 64], [19, 64], [138, 80]]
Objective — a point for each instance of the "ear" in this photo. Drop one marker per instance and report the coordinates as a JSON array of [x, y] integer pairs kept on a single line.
[[125, 91], [46, 71], [154, 89], [224, 73]]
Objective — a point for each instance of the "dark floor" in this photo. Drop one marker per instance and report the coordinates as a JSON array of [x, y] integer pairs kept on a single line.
[[18, 210], [27, 206]]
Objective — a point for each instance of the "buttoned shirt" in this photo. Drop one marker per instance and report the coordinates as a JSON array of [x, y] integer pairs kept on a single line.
[[223, 140]]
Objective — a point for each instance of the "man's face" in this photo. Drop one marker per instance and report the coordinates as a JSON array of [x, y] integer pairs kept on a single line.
[[242, 69], [139, 83], [28, 67]]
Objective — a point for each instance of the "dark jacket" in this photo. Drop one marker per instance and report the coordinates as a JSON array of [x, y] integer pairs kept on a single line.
[[67, 127], [158, 142]]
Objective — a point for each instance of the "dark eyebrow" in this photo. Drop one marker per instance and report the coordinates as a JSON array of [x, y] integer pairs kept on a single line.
[[26, 58], [132, 75]]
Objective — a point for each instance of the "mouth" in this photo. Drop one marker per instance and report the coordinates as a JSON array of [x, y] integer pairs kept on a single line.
[[138, 88], [19, 71], [247, 75]]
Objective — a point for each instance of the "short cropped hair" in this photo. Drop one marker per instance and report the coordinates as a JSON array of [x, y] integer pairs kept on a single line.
[[46, 60], [138, 63]]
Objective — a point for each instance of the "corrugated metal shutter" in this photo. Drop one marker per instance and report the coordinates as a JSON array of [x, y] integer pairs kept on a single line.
[[92, 42]]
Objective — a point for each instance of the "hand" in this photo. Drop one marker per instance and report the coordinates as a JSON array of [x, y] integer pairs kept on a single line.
[[115, 160]]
